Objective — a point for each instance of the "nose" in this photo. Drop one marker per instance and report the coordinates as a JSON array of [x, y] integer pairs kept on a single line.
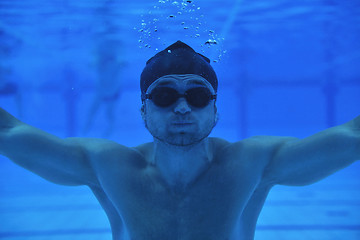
[[182, 106]]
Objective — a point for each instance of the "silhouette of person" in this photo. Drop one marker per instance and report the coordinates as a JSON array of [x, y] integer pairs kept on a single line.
[[108, 83]]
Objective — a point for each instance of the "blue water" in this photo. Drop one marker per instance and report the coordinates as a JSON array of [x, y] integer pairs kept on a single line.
[[285, 68]]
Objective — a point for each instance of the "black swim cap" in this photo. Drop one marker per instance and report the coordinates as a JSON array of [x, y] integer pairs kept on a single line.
[[178, 58]]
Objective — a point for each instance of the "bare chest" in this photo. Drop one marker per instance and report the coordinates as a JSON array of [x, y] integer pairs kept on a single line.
[[206, 209]]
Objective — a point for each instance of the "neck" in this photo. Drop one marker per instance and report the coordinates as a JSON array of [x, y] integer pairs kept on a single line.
[[180, 165]]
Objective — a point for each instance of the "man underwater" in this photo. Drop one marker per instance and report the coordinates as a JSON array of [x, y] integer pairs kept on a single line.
[[183, 185]]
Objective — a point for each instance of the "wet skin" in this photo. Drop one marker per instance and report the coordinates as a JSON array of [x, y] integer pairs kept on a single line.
[[183, 185], [163, 200], [225, 196]]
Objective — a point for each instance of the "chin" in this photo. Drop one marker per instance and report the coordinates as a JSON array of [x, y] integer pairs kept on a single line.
[[185, 139]]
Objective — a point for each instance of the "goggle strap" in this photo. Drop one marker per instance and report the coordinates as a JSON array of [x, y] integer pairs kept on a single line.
[[148, 96]]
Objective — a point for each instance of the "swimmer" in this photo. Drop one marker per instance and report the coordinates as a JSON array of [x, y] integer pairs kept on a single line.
[[107, 93], [184, 185], [9, 84]]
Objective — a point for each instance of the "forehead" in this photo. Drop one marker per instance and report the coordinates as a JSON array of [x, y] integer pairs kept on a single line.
[[182, 80]]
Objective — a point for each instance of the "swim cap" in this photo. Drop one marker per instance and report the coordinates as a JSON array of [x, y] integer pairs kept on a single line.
[[178, 58]]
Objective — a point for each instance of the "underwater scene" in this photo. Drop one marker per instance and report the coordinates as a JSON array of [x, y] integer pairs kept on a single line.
[[73, 69]]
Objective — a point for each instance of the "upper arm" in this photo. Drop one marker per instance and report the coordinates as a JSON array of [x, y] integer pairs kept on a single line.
[[62, 161], [305, 161]]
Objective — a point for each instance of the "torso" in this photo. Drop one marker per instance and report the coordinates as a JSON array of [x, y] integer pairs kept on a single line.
[[223, 203]]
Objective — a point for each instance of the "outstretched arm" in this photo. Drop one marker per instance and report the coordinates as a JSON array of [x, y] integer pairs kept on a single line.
[[62, 161], [305, 161]]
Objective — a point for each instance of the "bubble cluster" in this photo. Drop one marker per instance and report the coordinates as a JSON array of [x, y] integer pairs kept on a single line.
[[181, 17], [210, 42]]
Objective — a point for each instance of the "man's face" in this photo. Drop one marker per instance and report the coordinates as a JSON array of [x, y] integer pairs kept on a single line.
[[181, 123]]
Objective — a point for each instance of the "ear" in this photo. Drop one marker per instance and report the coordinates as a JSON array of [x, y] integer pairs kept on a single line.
[[216, 119], [142, 111], [216, 116]]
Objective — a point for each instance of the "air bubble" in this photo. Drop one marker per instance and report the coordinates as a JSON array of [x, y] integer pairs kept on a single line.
[[210, 42]]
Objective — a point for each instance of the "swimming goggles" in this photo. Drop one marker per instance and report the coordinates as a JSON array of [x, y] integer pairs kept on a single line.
[[166, 96]]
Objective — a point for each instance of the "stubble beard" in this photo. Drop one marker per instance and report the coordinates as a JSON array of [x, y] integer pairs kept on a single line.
[[181, 138]]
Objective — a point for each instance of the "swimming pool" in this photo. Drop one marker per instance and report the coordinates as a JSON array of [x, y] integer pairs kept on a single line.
[[284, 68]]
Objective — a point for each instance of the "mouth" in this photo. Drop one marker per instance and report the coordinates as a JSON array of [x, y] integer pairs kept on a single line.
[[182, 123]]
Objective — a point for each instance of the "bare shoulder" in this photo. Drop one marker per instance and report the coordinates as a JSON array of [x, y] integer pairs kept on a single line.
[[255, 143], [105, 150], [256, 149], [144, 150]]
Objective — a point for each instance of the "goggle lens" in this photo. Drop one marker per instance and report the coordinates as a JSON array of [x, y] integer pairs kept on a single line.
[[166, 96]]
